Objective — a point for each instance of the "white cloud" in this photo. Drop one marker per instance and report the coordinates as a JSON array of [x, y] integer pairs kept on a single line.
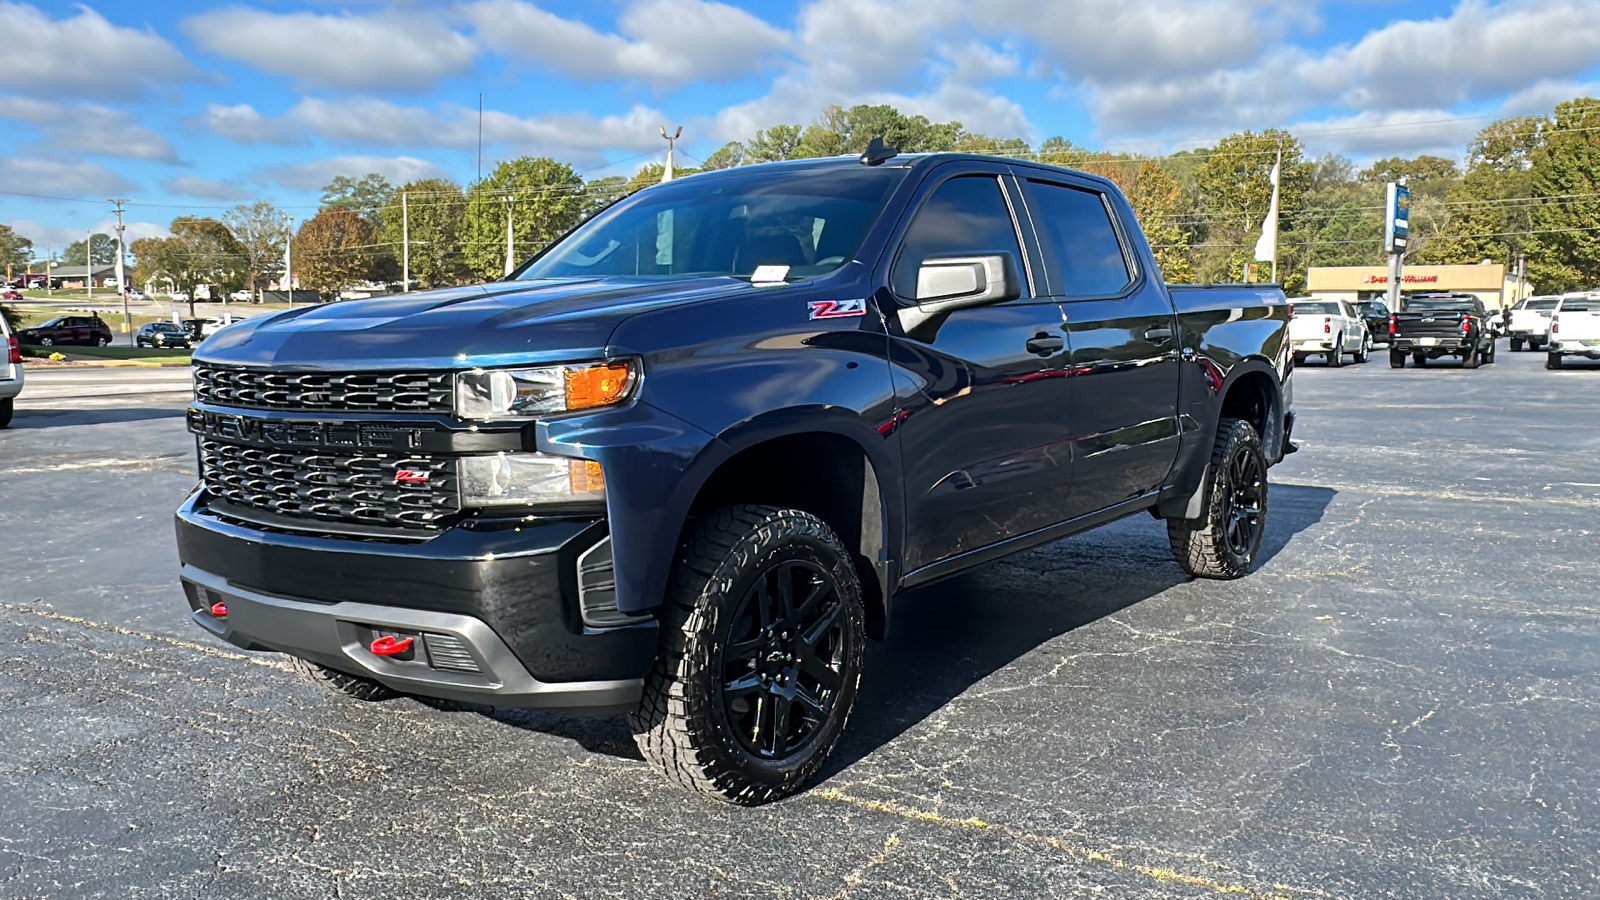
[[59, 178], [1436, 132], [82, 56], [404, 51], [243, 124], [205, 188], [314, 175], [667, 43], [88, 129]]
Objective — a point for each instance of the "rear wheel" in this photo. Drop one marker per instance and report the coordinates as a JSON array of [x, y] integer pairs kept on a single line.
[[47, 341], [762, 644], [1223, 542], [1419, 358], [7, 409], [1534, 344], [1397, 359], [1470, 360], [364, 689], [1365, 353], [1336, 355], [1299, 359], [1516, 344], [1488, 355], [1552, 361]]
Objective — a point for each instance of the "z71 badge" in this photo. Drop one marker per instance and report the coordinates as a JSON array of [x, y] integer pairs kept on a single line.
[[837, 309]]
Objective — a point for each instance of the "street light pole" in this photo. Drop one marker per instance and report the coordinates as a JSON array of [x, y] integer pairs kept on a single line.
[[405, 246], [122, 283], [666, 174], [88, 262], [288, 258]]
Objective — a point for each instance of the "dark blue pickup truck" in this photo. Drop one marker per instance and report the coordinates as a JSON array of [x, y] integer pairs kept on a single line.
[[678, 464]]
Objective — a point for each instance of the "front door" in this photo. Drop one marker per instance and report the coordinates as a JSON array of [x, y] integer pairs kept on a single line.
[[982, 407], [1124, 343]]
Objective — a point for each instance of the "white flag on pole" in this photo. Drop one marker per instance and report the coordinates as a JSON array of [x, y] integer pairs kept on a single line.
[[1267, 245]]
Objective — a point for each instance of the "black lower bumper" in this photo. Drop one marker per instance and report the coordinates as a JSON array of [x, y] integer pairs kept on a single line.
[[1438, 347], [492, 608]]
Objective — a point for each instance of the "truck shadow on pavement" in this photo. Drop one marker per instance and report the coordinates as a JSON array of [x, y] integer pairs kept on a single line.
[[27, 419], [947, 637]]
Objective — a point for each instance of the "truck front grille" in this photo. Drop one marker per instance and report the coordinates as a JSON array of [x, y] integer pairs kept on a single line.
[[355, 391], [382, 489]]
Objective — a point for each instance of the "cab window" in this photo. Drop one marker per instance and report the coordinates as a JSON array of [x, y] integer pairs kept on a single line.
[[965, 216], [1080, 245]]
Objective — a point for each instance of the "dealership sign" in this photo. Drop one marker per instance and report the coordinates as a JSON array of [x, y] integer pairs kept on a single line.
[[1397, 229]]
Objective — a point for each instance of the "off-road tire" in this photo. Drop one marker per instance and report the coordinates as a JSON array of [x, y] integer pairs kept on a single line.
[[8, 408], [1552, 361], [1397, 359], [1336, 355], [1365, 353], [682, 723], [1202, 545], [364, 689], [1516, 344], [1488, 355]]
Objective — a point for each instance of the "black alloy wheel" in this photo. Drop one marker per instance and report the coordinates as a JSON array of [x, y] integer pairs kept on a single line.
[[1244, 506], [782, 667]]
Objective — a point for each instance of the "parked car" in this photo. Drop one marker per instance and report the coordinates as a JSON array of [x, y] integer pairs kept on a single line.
[[1530, 322], [11, 372], [162, 334], [137, 295], [1330, 328], [680, 464], [1435, 325], [1375, 315], [1574, 329], [87, 331]]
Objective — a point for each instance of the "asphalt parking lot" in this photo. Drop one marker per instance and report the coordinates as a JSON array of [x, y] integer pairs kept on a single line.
[[1401, 702]]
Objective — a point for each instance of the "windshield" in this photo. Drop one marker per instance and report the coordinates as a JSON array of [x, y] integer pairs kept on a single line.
[[801, 222], [53, 323], [1439, 304], [1316, 308], [166, 326]]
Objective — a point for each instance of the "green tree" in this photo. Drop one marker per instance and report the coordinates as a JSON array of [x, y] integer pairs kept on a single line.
[[435, 210], [544, 198], [1564, 254], [16, 251], [1486, 213], [602, 192], [365, 196], [1416, 171], [334, 250], [773, 144], [1235, 189], [201, 251], [102, 249], [729, 155], [262, 232]]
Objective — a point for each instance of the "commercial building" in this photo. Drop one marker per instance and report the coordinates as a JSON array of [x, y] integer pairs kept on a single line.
[[1487, 282]]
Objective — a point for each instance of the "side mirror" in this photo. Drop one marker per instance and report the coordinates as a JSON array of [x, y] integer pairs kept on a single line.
[[950, 283]]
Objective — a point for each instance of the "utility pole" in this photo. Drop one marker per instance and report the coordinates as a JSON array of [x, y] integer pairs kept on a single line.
[[480, 138], [666, 174], [122, 283], [405, 245], [49, 263], [88, 262], [510, 247], [288, 258]]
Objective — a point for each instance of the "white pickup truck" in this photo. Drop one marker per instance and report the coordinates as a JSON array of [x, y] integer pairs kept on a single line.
[[1574, 329], [1530, 322], [11, 374], [1330, 328]]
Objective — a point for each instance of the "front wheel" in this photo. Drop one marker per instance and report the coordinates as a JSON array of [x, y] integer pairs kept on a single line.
[[762, 644], [1223, 542], [364, 689], [47, 342], [1365, 353]]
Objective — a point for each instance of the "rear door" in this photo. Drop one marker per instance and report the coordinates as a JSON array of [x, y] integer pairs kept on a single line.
[[1123, 334], [981, 404]]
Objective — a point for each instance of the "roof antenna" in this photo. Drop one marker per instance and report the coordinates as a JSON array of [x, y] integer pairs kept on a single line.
[[877, 153]]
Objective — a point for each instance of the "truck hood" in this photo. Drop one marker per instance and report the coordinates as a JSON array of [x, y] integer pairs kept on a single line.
[[503, 323]]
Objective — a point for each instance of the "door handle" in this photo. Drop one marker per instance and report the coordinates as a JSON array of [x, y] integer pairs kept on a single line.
[[1158, 335], [1043, 344]]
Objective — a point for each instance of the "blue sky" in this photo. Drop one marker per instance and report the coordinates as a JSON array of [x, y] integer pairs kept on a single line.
[[189, 107]]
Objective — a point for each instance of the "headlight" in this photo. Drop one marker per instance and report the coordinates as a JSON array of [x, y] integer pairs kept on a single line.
[[517, 393], [524, 479]]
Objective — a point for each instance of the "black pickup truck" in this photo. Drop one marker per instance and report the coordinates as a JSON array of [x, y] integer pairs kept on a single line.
[[1433, 325], [679, 464]]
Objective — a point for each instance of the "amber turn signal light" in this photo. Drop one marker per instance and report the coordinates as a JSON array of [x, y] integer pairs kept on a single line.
[[601, 385]]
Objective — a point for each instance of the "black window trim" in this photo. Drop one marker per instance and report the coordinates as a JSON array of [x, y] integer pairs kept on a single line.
[[1137, 276], [932, 183]]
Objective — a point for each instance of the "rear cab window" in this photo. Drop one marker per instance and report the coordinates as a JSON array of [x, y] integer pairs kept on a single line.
[[1084, 257]]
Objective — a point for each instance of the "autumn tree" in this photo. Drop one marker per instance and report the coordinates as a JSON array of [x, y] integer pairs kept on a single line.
[[262, 233], [334, 250], [1235, 189], [544, 199], [433, 213]]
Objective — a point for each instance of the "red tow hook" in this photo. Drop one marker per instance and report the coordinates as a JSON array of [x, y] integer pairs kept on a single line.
[[220, 610], [388, 646]]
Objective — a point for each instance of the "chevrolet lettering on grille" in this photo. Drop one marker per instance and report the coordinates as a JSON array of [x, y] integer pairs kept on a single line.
[[320, 435]]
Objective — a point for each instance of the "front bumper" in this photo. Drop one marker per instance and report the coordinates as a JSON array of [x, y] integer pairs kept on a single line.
[[492, 608]]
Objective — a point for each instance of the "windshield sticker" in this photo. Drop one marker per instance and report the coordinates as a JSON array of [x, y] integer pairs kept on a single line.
[[769, 275], [837, 309]]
